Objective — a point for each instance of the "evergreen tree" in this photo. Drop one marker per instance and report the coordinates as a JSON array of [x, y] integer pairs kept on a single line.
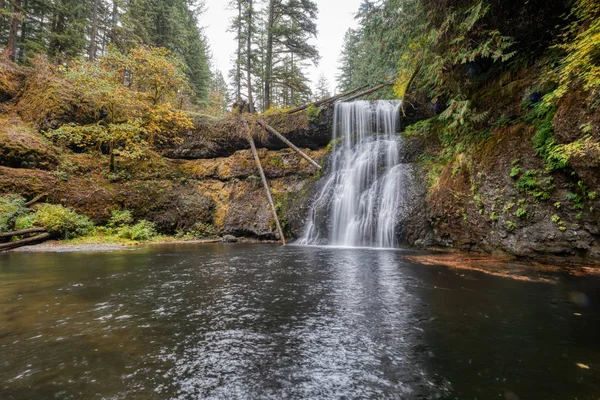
[[322, 90], [290, 26]]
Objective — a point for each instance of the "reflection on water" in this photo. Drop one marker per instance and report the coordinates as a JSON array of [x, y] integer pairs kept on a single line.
[[266, 322]]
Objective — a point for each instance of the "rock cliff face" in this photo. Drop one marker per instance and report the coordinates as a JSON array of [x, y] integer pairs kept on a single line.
[[499, 196], [224, 193]]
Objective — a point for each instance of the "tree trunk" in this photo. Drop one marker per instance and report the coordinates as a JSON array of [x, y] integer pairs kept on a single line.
[[238, 71], [269, 55], [11, 47], [35, 199], [326, 101], [114, 21], [287, 142], [113, 162], [23, 35], [2, 17], [267, 189], [368, 92], [94, 32], [249, 57], [25, 242], [8, 235]]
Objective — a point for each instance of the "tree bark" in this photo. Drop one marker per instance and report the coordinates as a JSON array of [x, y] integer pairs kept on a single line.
[[11, 47], [267, 189], [94, 32], [287, 142], [269, 55], [25, 242]]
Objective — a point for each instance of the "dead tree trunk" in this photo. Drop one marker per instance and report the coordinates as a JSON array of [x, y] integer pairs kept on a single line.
[[35, 199], [267, 189], [270, 129], [25, 242], [367, 92], [326, 101], [8, 235]]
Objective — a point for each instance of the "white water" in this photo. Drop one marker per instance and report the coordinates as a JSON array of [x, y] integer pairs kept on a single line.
[[359, 202]]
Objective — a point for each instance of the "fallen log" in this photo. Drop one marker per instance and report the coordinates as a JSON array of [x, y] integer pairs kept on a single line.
[[291, 145], [331, 99], [367, 92], [23, 232], [267, 189], [25, 242], [35, 199]]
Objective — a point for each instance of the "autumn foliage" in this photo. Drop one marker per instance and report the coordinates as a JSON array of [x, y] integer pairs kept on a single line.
[[122, 104]]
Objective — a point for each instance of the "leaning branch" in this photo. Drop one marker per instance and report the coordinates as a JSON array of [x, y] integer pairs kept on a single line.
[[267, 189], [270, 129]]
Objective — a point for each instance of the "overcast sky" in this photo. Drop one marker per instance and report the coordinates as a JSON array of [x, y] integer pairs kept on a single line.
[[335, 17]]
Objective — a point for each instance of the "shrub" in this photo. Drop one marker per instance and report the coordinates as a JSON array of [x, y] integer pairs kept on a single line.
[[12, 207], [120, 218], [59, 221], [142, 231]]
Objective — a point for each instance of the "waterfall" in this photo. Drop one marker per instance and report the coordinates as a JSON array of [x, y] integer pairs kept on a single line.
[[360, 199]]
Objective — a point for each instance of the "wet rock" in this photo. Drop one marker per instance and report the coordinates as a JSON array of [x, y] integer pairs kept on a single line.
[[229, 239]]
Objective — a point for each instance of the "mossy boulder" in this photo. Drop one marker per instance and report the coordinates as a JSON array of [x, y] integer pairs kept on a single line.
[[21, 147]]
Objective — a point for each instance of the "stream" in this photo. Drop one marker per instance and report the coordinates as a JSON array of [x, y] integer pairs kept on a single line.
[[269, 322]]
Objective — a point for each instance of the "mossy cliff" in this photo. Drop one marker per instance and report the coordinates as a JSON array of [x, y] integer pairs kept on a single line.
[[523, 183], [223, 194]]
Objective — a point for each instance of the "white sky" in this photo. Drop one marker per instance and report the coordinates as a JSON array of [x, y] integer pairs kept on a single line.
[[335, 17]]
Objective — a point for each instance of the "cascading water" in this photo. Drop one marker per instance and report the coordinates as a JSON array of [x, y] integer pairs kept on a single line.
[[360, 200]]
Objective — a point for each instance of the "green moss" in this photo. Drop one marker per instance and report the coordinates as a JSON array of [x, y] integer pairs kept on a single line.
[[276, 161], [536, 184]]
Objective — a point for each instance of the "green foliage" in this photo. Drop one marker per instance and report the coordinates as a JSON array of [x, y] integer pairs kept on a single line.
[[59, 221], [422, 128], [536, 184], [142, 231], [202, 230], [510, 225], [120, 218], [131, 95], [312, 112], [12, 207], [581, 48], [521, 213], [515, 172]]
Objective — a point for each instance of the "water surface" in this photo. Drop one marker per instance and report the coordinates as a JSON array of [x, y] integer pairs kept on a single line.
[[267, 322]]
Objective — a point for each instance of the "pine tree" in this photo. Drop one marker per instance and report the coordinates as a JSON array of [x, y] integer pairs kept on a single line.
[[290, 26], [322, 90]]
